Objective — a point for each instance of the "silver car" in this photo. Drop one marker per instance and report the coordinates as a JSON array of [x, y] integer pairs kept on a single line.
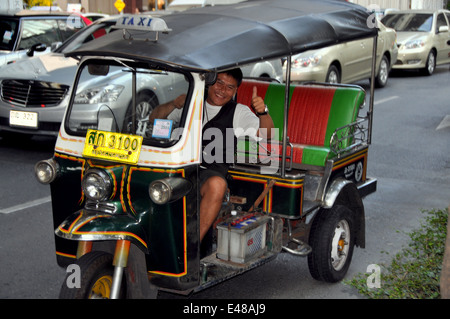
[[423, 38], [35, 91], [27, 33], [347, 62]]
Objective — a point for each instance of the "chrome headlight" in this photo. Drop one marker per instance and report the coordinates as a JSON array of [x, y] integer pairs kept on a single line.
[[46, 171], [414, 44], [97, 185], [168, 189], [100, 94]]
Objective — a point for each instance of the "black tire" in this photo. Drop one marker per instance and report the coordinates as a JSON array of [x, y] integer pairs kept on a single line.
[[146, 103], [331, 227], [96, 272], [383, 73], [430, 65], [333, 75]]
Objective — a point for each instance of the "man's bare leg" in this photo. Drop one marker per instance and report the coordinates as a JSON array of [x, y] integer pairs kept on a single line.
[[212, 193]]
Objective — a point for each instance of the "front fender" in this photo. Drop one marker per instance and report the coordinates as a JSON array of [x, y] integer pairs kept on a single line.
[[345, 192], [90, 225], [333, 191]]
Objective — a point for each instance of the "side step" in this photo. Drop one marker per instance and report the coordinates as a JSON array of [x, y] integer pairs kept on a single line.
[[302, 249]]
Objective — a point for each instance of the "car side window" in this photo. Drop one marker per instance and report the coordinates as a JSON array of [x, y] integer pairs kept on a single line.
[[448, 18], [440, 22], [8, 34], [38, 31]]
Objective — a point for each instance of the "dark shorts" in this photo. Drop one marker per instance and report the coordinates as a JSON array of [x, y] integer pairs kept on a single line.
[[206, 173]]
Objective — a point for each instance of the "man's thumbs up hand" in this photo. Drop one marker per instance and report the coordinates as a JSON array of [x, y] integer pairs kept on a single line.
[[257, 101]]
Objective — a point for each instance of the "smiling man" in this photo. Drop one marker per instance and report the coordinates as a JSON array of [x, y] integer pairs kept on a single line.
[[222, 115]]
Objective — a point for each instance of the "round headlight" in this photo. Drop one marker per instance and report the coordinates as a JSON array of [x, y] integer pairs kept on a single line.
[[169, 189], [97, 185], [46, 171], [159, 192]]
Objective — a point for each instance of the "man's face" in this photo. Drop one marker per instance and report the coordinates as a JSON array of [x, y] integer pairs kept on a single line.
[[223, 90]]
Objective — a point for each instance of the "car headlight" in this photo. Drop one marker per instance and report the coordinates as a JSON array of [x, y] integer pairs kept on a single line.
[[414, 44], [97, 185], [46, 171], [308, 60], [100, 94], [168, 189]]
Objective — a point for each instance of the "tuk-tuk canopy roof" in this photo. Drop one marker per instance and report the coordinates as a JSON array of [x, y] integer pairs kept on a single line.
[[220, 37]]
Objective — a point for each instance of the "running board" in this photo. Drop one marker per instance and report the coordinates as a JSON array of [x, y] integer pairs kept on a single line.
[[302, 250]]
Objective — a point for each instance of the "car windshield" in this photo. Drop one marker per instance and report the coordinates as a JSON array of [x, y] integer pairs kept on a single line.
[[103, 100], [417, 22], [87, 34], [8, 33], [36, 31]]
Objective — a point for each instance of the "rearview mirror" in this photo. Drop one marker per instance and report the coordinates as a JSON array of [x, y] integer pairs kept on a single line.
[[38, 47], [98, 69]]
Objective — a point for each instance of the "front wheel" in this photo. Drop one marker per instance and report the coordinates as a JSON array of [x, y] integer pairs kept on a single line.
[[333, 75], [95, 282], [332, 239], [431, 64]]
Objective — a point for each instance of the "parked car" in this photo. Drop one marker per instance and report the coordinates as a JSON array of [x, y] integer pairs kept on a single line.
[[35, 92], [423, 38], [347, 62], [28, 33], [39, 87]]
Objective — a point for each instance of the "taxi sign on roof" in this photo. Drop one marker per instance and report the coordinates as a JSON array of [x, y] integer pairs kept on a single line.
[[142, 22]]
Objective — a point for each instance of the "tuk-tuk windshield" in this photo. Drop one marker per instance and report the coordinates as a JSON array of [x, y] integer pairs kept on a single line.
[[103, 100]]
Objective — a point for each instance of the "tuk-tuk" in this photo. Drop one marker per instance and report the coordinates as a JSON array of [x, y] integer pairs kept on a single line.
[[125, 195]]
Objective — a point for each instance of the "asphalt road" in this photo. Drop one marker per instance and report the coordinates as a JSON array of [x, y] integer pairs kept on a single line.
[[408, 156]]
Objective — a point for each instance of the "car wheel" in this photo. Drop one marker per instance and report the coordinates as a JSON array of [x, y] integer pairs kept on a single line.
[[333, 75], [431, 64], [145, 103], [383, 73]]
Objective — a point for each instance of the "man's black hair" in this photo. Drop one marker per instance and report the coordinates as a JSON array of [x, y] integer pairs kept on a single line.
[[236, 74]]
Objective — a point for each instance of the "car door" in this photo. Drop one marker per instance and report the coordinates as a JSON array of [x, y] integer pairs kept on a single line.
[[446, 54], [442, 42], [356, 60]]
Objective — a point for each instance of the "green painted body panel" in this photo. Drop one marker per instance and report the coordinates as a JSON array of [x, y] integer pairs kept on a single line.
[[159, 230]]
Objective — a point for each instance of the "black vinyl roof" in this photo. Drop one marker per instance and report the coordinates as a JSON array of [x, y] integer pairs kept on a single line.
[[220, 37]]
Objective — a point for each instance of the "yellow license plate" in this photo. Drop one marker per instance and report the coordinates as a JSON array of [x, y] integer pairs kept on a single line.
[[117, 147]]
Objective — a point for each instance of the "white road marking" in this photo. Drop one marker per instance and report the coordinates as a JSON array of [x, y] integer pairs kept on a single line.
[[385, 100], [444, 123], [23, 206]]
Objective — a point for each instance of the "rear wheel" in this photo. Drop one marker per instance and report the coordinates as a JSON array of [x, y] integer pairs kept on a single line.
[[332, 239], [383, 73], [96, 271]]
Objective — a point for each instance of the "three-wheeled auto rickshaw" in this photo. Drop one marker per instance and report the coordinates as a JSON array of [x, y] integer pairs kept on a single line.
[[124, 189]]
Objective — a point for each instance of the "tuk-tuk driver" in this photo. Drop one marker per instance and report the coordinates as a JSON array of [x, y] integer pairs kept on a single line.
[[221, 112]]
